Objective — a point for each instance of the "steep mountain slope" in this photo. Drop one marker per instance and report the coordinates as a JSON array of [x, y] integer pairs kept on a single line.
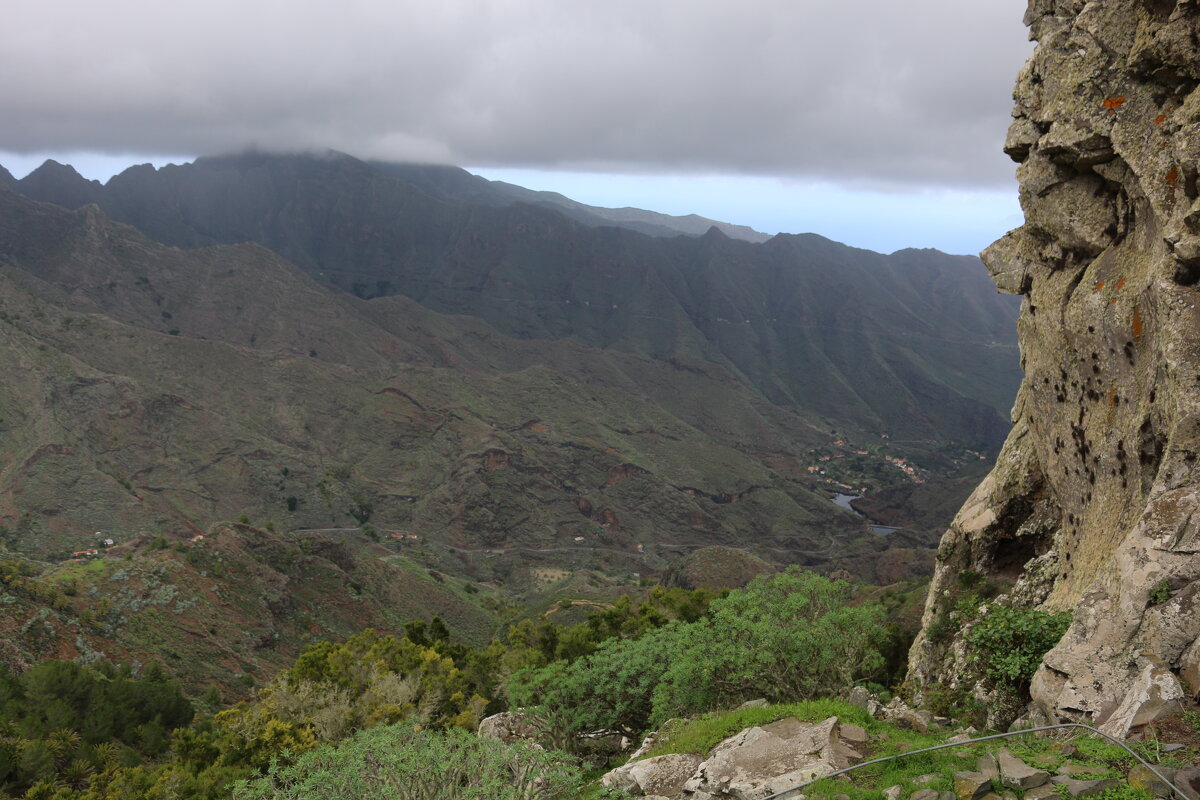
[[453, 183], [164, 390], [916, 345], [1093, 503]]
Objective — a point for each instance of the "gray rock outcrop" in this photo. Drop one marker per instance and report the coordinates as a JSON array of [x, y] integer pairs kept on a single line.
[[761, 761], [1094, 503], [508, 727], [660, 775], [751, 764]]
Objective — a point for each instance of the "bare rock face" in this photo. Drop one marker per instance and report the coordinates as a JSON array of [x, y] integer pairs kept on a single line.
[[1094, 503]]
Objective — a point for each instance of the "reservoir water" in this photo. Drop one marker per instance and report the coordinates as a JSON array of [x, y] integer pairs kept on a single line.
[[843, 501]]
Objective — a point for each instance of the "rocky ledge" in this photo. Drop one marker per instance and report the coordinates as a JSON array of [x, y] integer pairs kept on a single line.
[[1094, 503]]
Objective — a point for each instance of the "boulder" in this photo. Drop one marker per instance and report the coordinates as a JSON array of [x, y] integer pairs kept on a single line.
[[862, 697], [661, 775], [1153, 693], [756, 703], [853, 733], [508, 727], [760, 761], [900, 714]]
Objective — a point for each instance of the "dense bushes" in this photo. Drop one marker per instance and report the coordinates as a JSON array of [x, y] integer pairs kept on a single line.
[[61, 723], [399, 762], [789, 637], [391, 704], [1008, 644]]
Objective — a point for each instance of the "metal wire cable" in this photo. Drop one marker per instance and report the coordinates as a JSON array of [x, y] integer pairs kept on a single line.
[[787, 792]]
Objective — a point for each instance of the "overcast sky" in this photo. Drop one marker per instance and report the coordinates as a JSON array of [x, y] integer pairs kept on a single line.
[[812, 112]]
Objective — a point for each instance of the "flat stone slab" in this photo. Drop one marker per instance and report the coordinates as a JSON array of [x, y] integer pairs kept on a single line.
[[853, 733], [1016, 774]]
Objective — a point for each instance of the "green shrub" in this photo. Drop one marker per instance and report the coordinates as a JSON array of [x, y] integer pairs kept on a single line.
[[1008, 643], [969, 579], [399, 762], [1161, 592], [789, 637]]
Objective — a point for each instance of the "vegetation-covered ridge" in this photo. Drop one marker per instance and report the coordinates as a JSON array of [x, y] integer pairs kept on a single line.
[[69, 733], [395, 716]]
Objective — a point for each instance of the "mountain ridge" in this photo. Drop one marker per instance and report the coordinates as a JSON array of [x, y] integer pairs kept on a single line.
[[534, 273]]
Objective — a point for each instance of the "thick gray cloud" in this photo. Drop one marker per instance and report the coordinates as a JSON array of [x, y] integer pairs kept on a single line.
[[875, 91]]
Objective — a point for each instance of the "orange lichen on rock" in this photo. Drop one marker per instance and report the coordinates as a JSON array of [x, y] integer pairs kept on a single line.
[[1120, 284], [1137, 325], [1099, 285], [1113, 103]]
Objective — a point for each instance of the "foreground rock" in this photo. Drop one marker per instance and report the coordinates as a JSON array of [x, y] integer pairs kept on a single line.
[[751, 764], [1093, 502], [509, 727], [660, 775]]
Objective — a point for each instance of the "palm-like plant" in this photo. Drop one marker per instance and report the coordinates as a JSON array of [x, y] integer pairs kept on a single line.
[[106, 754], [61, 744], [77, 774]]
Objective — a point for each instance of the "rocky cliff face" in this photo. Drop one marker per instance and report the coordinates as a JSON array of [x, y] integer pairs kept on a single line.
[[1094, 504]]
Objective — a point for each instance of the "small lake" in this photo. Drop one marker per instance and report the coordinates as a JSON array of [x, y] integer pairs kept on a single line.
[[843, 501]]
